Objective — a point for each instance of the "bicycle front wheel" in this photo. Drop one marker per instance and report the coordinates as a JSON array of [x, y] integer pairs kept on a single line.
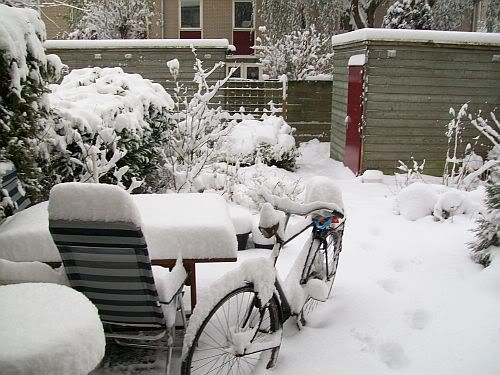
[[237, 337]]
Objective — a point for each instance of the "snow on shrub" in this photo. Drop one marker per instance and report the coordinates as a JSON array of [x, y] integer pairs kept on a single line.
[[108, 125], [25, 71], [269, 141], [250, 181], [298, 54], [416, 201]]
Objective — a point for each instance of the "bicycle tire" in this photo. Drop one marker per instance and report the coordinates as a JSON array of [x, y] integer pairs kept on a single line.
[[309, 271], [210, 351], [334, 247]]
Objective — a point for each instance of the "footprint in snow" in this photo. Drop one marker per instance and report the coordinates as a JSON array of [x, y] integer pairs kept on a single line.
[[418, 319], [389, 285], [393, 355], [399, 265], [366, 246], [374, 231]]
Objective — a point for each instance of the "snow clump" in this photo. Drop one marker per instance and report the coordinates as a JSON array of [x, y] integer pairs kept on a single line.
[[416, 201]]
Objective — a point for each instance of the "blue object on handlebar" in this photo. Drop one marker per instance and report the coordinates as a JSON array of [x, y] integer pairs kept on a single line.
[[322, 226]]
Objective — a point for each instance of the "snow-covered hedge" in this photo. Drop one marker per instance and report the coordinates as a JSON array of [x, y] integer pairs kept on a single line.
[[25, 71], [269, 141], [106, 122]]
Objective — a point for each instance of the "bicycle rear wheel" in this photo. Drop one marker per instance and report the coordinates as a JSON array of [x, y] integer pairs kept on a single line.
[[332, 254], [237, 321]]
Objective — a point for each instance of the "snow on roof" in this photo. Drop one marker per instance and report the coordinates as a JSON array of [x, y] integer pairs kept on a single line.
[[142, 43], [357, 60], [451, 37]]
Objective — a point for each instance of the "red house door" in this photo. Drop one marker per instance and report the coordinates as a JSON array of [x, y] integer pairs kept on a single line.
[[353, 142]]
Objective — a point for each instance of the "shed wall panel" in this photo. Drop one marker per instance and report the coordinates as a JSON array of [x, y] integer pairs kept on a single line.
[[409, 96]]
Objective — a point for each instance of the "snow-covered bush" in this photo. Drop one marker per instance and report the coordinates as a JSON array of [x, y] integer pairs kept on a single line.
[[111, 19], [195, 131], [249, 182], [412, 172], [298, 54], [416, 201], [108, 124], [488, 227], [408, 14], [463, 167], [25, 71], [269, 141]]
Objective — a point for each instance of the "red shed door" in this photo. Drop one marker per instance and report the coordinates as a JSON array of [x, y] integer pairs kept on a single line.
[[352, 154]]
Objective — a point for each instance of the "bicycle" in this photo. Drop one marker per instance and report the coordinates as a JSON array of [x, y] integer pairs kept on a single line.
[[242, 332]]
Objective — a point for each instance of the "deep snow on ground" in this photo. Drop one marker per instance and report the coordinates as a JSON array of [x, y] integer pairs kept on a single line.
[[407, 298]]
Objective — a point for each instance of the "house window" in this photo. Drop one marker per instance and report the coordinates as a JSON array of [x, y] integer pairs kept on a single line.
[[243, 14], [190, 14]]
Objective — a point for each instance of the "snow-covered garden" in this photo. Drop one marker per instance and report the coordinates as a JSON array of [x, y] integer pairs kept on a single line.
[[418, 285]]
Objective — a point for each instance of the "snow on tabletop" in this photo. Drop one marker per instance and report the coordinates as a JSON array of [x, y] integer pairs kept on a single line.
[[357, 60], [197, 226], [242, 219], [25, 236], [451, 37], [92, 202], [137, 43], [259, 271], [48, 329], [320, 77], [30, 272]]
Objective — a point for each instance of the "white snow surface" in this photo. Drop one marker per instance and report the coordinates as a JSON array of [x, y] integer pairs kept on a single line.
[[406, 297], [137, 43], [427, 36], [30, 272], [75, 201], [323, 189], [6, 167], [48, 329]]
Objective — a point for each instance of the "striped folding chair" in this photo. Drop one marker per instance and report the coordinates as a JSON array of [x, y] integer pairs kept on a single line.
[[96, 228], [12, 195]]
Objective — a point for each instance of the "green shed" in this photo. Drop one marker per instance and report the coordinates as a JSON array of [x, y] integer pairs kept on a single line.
[[393, 90], [147, 57]]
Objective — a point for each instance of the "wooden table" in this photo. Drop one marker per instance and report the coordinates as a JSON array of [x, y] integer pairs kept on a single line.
[[197, 227]]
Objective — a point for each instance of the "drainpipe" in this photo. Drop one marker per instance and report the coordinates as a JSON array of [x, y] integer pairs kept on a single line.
[[162, 20]]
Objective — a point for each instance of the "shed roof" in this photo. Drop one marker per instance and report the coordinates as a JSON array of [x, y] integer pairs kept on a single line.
[[425, 36], [137, 43]]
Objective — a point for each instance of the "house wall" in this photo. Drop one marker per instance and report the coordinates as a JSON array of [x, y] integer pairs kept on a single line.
[[408, 98]]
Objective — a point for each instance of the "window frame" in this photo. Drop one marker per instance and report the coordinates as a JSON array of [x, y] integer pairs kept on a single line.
[[252, 28], [190, 28]]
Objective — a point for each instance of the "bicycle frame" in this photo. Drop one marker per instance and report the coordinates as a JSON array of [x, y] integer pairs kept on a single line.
[[318, 233]]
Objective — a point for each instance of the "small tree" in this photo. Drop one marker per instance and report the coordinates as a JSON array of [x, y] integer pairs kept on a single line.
[[449, 15], [299, 54], [488, 225], [111, 19], [408, 14], [194, 130]]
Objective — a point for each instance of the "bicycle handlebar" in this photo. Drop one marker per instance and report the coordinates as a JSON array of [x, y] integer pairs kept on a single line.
[[286, 205]]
